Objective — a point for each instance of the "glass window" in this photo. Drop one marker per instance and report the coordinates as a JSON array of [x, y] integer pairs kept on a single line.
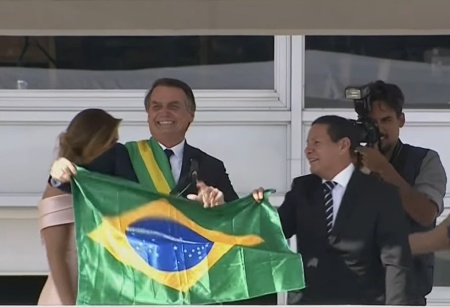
[[115, 62], [420, 65]]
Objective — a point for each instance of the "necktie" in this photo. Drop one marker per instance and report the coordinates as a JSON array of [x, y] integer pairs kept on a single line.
[[169, 153], [328, 187]]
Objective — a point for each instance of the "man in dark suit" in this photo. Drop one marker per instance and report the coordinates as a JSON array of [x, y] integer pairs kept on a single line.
[[350, 227], [170, 106]]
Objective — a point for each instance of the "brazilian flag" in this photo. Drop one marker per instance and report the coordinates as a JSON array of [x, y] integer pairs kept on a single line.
[[139, 247]]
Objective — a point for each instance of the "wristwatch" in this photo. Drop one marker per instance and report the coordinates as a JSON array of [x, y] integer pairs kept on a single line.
[[55, 183]]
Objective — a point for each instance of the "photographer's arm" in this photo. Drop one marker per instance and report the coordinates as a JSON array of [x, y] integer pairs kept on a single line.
[[424, 201]]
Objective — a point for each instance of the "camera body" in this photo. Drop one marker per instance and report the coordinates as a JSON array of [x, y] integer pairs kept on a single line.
[[367, 130]]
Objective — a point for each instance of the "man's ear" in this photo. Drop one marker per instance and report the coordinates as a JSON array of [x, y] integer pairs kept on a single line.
[[345, 144], [401, 118], [191, 121]]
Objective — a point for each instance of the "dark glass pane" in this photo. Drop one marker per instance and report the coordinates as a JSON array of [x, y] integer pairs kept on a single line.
[[420, 65], [21, 290], [115, 62]]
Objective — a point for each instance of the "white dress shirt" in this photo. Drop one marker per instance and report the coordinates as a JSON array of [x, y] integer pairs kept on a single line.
[[341, 180], [176, 160]]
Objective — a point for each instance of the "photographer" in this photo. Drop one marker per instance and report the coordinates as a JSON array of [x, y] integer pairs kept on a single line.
[[417, 172]]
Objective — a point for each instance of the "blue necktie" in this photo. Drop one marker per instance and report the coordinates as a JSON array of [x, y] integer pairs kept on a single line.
[[169, 153]]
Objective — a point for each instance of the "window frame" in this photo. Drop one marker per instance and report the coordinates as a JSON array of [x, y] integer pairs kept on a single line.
[[132, 100]]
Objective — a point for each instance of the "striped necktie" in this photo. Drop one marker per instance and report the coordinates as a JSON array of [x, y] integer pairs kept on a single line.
[[328, 187]]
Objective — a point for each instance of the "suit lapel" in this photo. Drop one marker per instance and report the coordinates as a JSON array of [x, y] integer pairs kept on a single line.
[[349, 199], [189, 153], [315, 200]]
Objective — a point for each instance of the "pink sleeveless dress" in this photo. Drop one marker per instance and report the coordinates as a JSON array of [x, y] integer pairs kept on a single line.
[[58, 210]]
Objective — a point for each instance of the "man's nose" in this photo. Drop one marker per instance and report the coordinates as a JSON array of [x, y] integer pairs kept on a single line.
[[382, 129], [164, 111]]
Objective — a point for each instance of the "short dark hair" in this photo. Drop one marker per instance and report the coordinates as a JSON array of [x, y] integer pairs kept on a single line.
[[170, 82], [339, 128], [389, 93]]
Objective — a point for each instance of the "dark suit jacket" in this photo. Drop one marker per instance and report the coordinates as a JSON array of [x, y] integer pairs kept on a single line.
[[366, 259], [210, 170], [116, 162]]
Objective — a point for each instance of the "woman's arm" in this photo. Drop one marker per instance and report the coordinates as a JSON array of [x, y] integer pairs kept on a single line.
[[56, 239], [56, 243], [431, 241]]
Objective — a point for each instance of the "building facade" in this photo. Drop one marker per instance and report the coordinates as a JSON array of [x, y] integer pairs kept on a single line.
[[255, 93]]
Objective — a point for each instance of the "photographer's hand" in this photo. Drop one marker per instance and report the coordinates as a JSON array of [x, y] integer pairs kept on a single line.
[[373, 159], [418, 206]]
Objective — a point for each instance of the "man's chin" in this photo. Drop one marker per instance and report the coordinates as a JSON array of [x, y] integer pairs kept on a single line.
[[313, 169], [385, 148]]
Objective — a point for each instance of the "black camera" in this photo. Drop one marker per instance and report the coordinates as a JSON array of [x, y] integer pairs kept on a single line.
[[367, 130]]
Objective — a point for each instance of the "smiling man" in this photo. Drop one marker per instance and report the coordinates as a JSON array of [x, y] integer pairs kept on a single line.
[[170, 106], [165, 162], [350, 227], [417, 172]]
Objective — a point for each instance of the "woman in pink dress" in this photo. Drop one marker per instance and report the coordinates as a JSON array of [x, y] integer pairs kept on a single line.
[[56, 223], [92, 132]]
